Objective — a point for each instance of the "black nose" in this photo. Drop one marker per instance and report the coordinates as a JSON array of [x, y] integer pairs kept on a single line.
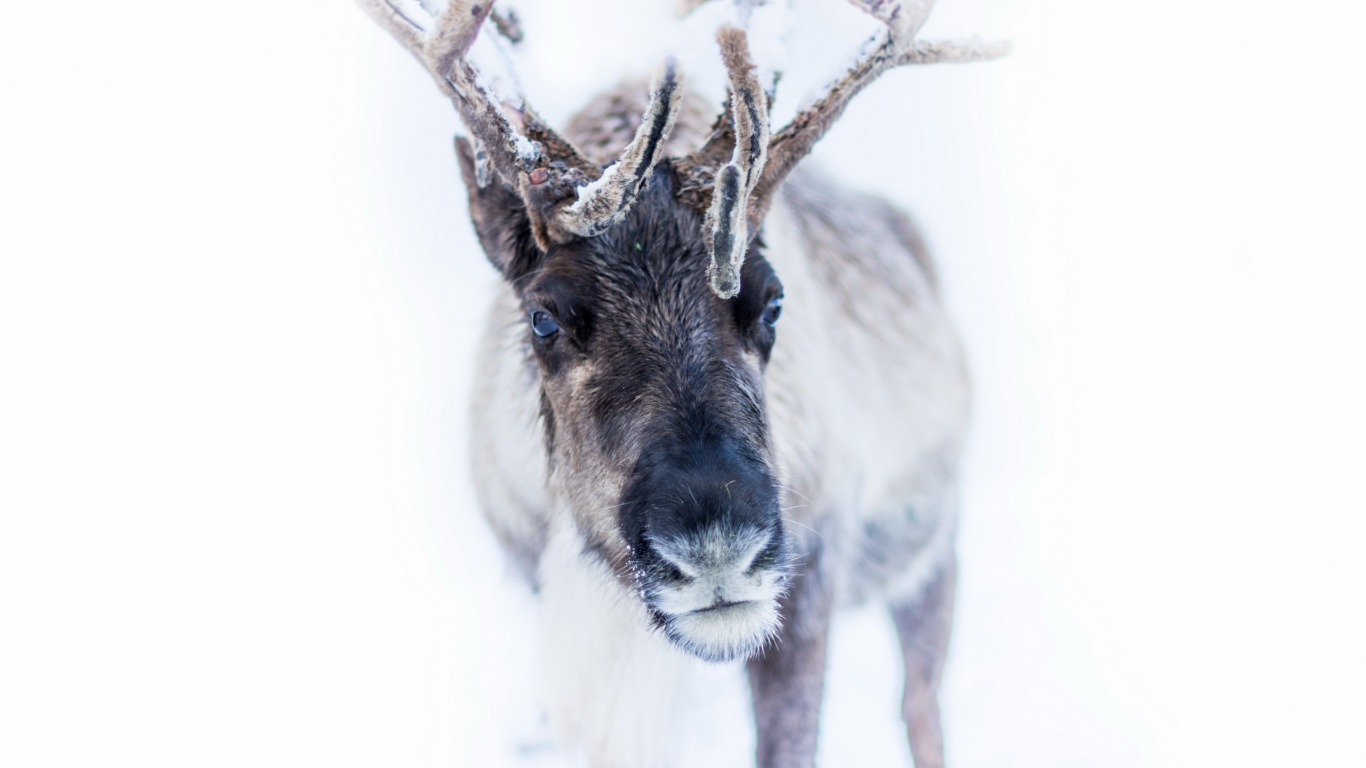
[[683, 494], [692, 500]]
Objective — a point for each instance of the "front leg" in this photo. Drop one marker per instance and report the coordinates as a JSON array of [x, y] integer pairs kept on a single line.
[[786, 679], [923, 626]]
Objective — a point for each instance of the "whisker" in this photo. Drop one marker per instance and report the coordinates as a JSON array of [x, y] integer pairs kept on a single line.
[[794, 490], [807, 527]]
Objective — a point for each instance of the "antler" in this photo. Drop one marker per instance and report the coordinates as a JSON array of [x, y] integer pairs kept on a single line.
[[606, 200], [737, 207], [440, 44], [550, 175], [894, 47], [727, 224]]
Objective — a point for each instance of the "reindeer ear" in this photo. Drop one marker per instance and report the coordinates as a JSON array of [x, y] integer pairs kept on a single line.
[[500, 218]]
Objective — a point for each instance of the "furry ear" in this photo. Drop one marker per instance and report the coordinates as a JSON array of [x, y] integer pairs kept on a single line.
[[500, 218]]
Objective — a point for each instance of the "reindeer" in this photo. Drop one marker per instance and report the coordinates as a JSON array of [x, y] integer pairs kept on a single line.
[[677, 478]]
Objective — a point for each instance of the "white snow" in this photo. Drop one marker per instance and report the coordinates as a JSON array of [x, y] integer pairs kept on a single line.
[[526, 150], [590, 190]]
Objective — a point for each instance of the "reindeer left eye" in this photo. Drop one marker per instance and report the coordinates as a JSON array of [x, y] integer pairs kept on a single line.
[[542, 324], [772, 311]]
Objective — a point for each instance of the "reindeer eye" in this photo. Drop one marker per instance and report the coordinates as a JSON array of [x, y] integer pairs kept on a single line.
[[543, 324], [772, 311]]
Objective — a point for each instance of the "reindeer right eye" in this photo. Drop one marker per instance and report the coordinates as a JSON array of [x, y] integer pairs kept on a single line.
[[772, 310], [542, 324]]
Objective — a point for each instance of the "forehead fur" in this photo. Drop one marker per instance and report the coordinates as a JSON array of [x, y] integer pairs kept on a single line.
[[658, 242], [639, 311], [651, 265]]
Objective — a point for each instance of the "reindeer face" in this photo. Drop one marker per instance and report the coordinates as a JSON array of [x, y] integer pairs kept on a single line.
[[653, 398]]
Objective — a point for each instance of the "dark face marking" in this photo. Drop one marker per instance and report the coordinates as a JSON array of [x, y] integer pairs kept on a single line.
[[651, 350], [653, 390]]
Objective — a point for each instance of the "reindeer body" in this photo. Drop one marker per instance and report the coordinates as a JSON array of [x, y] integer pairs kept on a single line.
[[867, 400], [683, 478]]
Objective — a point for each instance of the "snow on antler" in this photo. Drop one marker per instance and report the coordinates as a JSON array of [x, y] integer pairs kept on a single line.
[[606, 200], [727, 224], [737, 192], [546, 170], [893, 47]]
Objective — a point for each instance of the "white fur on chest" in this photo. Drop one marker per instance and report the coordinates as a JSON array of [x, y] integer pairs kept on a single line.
[[615, 690]]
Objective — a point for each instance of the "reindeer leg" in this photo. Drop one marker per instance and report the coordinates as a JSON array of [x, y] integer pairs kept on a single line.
[[786, 679], [923, 626]]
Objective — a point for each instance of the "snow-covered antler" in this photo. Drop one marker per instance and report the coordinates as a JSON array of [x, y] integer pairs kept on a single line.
[[737, 193], [440, 44], [727, 227], [604, 201], [545, 169], [894, 47]]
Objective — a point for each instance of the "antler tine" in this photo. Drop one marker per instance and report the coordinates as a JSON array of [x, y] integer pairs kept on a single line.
[[748, 103], [903, 20], [896, 46], [454, 33], [605, 201], [441, 45], [727, 224], [408, 22]]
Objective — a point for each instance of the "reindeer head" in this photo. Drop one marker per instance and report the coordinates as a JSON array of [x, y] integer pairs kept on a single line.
[[650, 313]]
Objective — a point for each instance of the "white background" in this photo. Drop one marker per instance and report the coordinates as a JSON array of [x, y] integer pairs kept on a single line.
[[239, 296]]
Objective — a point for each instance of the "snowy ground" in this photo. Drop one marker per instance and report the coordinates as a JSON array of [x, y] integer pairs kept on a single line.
[[238, 298]]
